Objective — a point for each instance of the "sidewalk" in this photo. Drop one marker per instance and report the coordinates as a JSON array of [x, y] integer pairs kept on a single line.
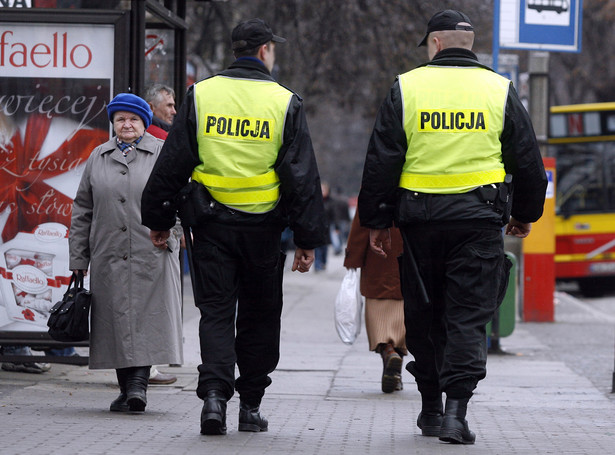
[[325, 398]]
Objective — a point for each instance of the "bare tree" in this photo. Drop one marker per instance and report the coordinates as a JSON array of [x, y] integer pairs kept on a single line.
[[587, 76], [343, 55]]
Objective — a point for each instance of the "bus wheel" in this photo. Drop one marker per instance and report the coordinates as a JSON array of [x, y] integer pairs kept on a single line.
[[596, 286]]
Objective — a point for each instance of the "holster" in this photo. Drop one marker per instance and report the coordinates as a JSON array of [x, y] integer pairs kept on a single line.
[[499, 196], [503, 203], [195, 205]]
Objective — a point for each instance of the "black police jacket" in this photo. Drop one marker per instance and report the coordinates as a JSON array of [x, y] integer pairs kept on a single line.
[[301, 205], [386, 153]]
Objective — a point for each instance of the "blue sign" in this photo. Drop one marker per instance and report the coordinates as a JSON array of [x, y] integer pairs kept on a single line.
[[550, 25]]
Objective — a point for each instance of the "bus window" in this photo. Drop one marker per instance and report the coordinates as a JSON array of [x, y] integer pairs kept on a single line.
[[580, 179]]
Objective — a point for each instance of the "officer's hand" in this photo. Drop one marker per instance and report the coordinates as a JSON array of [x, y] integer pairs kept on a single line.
[[518, 229], [159, 238], [379, 241], [303, 260]]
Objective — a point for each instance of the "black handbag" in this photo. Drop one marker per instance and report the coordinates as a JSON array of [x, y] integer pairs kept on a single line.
[[69, 319]]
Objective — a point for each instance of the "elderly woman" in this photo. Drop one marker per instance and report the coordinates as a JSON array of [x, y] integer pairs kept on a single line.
[[136, 303], [384, 305]]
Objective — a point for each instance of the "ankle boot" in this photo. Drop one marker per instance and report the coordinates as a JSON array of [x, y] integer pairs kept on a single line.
[[250, 418], [430, 417], [136, 388], [454, 427], [213, 415], [391, 371], [120, 404]]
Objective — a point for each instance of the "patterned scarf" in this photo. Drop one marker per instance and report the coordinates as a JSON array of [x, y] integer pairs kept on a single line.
[[126, 147]]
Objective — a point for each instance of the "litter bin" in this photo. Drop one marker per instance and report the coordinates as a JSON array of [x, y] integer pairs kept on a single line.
[[503, 323]]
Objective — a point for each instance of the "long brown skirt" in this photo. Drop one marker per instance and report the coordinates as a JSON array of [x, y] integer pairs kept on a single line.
[[384, 323]]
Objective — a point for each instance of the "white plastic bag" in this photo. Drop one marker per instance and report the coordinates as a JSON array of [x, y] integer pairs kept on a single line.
[[348, 308]]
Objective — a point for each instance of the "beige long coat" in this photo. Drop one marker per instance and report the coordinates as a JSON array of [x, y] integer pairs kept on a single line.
[[136, 297]]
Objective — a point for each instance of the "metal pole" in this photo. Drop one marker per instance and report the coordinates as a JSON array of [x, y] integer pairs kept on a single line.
[[137, 46], [539, 96], [496, 35], [180, 55]]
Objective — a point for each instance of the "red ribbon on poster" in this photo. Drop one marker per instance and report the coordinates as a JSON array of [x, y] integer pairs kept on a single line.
[[52, 282], [23, 172]]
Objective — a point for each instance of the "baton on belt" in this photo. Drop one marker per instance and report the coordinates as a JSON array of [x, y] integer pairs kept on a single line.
[[417, 276], [188, 240], [414, 272]]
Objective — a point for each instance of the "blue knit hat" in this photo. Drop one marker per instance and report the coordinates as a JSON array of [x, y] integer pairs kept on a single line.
[[130, 103]]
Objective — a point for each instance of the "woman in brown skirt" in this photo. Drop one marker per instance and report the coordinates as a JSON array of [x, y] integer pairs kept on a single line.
[[384, 305]]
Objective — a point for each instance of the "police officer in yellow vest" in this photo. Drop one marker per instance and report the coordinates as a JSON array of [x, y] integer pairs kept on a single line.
[[447, 141], [243, 140]]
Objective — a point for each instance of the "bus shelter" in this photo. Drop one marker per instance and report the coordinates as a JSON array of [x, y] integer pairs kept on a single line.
[[61, 62]]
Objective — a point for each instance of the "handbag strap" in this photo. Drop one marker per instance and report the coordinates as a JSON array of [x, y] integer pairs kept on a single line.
[[79, 280], [76, 282]]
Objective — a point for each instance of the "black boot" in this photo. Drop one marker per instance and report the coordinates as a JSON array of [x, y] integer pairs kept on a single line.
[[430, 418], [120, 404], [454, 427], [250, 418], [136, 388], [391, 370], [213, 415]]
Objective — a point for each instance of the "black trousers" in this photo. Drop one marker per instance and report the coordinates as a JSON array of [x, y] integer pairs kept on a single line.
[[239, 294], [465, 272]]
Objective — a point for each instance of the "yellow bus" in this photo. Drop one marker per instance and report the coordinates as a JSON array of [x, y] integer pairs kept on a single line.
[[582, 140]]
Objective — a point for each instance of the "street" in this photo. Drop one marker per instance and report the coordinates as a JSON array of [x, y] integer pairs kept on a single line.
[[551, 396]]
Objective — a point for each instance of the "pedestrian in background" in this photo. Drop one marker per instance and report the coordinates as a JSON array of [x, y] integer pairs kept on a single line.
[[341, 227], [244, 141], [321, 253], [446, 141], [161, 99], [136, 301], [22, 367], [384, 305]]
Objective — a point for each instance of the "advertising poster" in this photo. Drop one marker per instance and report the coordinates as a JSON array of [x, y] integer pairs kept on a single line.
[[55, 80]]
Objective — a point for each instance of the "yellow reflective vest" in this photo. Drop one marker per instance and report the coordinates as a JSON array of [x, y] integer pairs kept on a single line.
[[453, 119], [239, 134]]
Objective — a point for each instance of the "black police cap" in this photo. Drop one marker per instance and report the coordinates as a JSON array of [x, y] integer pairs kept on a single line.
[[447, 20], [252, 33]]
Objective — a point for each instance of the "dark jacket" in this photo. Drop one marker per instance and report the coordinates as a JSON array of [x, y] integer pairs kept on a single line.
[[380, 192], [301, 205]]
